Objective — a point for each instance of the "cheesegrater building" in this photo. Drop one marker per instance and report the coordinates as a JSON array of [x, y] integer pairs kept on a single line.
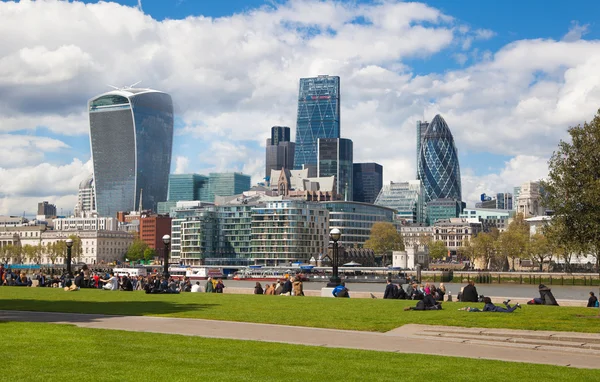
[[131, 136], [318, 117]]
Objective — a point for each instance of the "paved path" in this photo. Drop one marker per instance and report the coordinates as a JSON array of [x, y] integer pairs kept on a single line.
[[554, 348]]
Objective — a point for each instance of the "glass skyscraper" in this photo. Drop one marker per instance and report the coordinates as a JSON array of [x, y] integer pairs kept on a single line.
[[406, 198], [421, 130], [131, 135], [188, 187], [368, 180], [438, 163], [227, 184], [335, 158], [318, 117]]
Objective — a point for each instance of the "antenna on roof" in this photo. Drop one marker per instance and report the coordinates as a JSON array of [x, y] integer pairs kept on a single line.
[[131, 86], [114, 87]]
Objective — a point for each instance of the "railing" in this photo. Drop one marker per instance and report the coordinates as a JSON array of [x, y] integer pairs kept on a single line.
[[533, 278]]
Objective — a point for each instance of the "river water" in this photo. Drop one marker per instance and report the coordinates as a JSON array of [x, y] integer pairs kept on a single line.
[[500, 290]]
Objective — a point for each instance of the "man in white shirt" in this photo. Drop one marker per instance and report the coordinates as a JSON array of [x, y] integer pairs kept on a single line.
[[112, 283], [196, 287]]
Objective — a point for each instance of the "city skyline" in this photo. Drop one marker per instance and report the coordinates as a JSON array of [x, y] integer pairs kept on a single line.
[[398, 63]]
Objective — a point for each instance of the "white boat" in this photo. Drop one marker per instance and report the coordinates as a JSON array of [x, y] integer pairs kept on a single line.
[[196, 273], [266, 274]]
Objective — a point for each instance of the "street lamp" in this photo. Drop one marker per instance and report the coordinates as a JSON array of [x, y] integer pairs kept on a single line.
[[334, 235], [166, 240], [69, 243]]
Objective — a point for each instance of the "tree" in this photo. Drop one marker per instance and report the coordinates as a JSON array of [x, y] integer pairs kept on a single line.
[[149, 254], [76, 248], [52, 250], [384, 239], [28, 252], [512, 243], [540, 249], [572, 189], [484, 245], [3, 254], [136, 250], [467, 250], [15, 253], [438, 250]]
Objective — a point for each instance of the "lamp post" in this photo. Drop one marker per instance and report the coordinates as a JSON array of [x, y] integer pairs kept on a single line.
[[334, 235], [69, 243], [166, 240]]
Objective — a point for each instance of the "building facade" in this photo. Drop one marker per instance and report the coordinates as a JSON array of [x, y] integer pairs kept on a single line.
[[318, 117], [279, 150], [46, 209], [188, 187], [355, 220], [490, 218], [85, 224], [421, 130], [368, 181], [86, 198], [438, 165], [335, 157], [404, 197], [453, 232], [227, 184], [530, 200], [443, 208], [153, 228], [131, 135]]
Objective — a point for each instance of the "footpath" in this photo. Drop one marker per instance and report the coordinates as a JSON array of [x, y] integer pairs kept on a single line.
[[581, 350]]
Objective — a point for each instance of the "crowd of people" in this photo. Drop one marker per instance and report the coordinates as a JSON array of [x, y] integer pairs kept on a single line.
[[290, 286]]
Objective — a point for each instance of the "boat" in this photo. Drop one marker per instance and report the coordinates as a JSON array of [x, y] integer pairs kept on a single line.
[[196, 273], [254, 273]]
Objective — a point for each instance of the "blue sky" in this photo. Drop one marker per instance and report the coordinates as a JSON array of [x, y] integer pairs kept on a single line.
[[508, 76]]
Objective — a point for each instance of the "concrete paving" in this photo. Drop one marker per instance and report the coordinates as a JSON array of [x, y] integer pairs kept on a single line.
[[554, 348]]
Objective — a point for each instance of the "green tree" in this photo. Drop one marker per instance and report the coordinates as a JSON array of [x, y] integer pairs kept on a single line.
[[438, 249], [149, 254], [29, 252], [52, 251], [484, 245], [467, 250], [136, 250], [540, 249], [513, 242], [76, 248], [15, 253], [384, 239], [572, 189], [3, 254]]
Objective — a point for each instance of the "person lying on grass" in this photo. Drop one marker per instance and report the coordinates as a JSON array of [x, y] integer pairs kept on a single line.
[[490, 307], [427, 303]]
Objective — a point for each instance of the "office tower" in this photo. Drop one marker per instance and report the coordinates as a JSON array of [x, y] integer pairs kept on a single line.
[[46, 209], [279, 150], [227, 184], [438, 163], [504, 201], [406, 198], [368, 180], [335, 159], [184, 187], [318, 117], [421, 129], [131, 134], [86, 198], [443, 208]]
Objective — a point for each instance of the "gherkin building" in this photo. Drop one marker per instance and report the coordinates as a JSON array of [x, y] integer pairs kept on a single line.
[[438, 162]]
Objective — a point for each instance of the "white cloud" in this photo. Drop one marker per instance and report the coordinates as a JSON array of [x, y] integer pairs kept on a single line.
[[20, 150], [576, 31], [232, 78]]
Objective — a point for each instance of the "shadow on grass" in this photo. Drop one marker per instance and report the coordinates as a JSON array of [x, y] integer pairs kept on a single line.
[[87, 311]]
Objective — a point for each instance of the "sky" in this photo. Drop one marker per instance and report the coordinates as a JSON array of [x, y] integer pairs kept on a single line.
[[509, 77]]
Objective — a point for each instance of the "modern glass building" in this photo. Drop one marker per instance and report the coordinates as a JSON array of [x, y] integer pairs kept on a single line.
[[443, 208], [355, 220], [188, 187], [438, 163], [235, 231], [406, 198], [421, 130], [318, 117], [279, 150], [335, 159], [131, 135], [367, 183], [227, 184]]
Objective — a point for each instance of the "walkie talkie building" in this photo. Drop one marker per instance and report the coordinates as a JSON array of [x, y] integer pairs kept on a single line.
[[131, 136], [438, 162]]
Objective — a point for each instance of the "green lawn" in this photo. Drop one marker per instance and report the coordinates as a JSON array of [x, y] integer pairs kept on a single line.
[[353, 314], [62, 352]]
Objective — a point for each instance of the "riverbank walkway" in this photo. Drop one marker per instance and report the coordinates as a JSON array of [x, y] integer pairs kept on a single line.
[[581, 350]]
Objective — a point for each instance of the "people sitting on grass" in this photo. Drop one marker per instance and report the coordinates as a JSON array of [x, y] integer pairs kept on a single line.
[[469, 293], [126, 284], [427, 303], [23, 280], [196, 288], [209, 288], [258, 288], [440, 292], [391, 290], [220, 287], [546, 297], [490, 307], [341, 291], [269, 289], [278, 288], [297, 287], [592, 301], [112, 283], [287, 287]]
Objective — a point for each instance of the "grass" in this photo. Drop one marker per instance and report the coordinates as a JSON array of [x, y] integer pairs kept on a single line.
[[62, 352], [351, 314]]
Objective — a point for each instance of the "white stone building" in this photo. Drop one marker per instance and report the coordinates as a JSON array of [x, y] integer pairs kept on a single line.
[[85, 224]]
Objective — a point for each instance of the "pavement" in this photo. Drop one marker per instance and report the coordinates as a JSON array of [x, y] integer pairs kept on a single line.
[[580, 350]]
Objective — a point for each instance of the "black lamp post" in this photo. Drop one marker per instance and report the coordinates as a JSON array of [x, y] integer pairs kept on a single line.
[[334, 235], [166, 240], [69, 243]]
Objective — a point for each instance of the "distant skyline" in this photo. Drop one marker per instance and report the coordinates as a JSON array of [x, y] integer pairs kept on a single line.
[[508, 77]]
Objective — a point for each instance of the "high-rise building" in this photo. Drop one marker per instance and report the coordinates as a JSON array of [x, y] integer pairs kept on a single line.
[[153, 228], [421, 130], [443, 208], [227, 184], [279, 150], [438, 165], [335, 159], [188, 187], [131, 135], [318, 117], [404, 197], [86, 198], [504, 201], [368, 180], [46, 209]]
